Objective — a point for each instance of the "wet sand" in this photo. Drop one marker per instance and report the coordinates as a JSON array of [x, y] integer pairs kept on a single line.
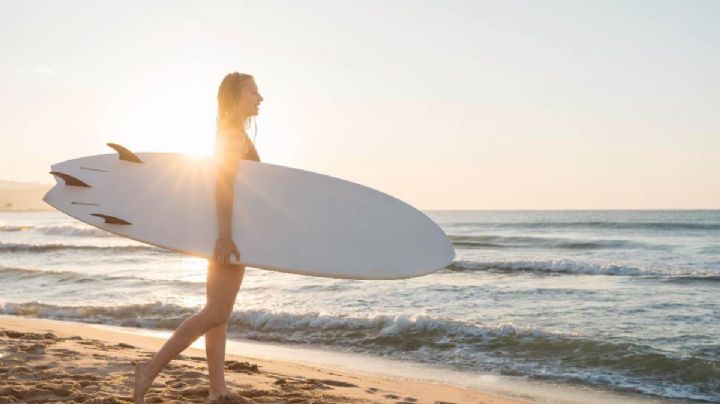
[[50, 361]]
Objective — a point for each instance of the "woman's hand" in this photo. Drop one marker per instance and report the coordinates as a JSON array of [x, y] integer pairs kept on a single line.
[[224, 248]]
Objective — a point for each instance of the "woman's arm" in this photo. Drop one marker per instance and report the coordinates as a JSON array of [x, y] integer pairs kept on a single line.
[[229, 155]]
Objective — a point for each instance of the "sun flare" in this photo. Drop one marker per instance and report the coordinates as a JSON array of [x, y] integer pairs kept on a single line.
[[167, 121]]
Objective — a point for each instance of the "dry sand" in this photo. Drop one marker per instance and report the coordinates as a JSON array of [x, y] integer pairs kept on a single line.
[[55, 361]]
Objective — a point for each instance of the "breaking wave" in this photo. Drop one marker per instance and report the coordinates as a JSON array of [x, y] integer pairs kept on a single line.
[[71, 277], [603, 225], [549, 266], [505, 348], [493, 241], [565, 266], [20, 247], [60, 230]]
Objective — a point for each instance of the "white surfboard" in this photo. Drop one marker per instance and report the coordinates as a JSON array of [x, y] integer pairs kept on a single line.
[[284, 219]]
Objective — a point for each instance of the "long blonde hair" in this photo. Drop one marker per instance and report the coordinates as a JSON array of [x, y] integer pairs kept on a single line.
[[228, 98]]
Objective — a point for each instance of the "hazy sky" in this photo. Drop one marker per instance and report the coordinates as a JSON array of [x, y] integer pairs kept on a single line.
[[455, 105]]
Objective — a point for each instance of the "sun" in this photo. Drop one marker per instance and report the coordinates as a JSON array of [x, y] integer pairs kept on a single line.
[[166, 121]]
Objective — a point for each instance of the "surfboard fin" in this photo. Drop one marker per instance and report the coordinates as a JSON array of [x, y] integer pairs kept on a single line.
[[110, 219], [70, 180], [124, 153]]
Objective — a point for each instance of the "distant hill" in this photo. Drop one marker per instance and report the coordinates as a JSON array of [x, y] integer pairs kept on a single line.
[[23, 196]]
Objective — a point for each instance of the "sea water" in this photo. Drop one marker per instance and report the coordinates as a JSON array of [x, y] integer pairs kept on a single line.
[[624, 300]]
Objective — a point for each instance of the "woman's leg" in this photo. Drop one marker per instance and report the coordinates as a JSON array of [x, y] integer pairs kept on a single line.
[[225, 281], [215, 353], [215, 339]]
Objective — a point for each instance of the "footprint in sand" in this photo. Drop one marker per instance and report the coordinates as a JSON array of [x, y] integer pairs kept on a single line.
[[96, 344], [17, 393], [59, 389], [254, 393], [188, 374], [242, 367], [33, 349], [195, 391], [83, 377], [65, 352], [176, 384], [29, 335], [42, 367], [152, 399], [337, 383]]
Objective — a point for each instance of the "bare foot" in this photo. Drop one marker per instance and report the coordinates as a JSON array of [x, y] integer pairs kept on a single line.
[[217, 394], [142, 384]]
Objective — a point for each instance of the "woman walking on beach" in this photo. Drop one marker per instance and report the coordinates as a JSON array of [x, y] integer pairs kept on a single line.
[[238, 101]]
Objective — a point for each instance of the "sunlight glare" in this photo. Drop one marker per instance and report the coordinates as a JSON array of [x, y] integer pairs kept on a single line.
[[171, 119]]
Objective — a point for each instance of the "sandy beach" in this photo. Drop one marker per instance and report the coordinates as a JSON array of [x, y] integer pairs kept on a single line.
[[49, 361]]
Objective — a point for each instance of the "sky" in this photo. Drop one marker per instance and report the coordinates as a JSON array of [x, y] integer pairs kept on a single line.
[[443, 104]]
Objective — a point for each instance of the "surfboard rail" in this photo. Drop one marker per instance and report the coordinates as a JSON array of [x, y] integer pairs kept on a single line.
[[284, 219]]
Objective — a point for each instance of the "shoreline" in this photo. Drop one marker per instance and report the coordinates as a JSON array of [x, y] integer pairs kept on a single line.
[[346, 378], [36, 352]]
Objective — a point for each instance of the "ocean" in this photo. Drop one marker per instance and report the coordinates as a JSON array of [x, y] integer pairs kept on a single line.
[[620, 300]]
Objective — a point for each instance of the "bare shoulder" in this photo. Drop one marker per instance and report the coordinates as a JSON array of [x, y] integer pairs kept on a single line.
[[232, 137], [232, 143]]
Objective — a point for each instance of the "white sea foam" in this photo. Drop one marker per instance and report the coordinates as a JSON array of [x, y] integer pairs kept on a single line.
[[22, 247], [507, 348], [271, 321], [550, 266], [59, 230]]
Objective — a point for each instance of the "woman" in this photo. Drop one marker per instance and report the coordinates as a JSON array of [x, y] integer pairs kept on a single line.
[[238, 100]]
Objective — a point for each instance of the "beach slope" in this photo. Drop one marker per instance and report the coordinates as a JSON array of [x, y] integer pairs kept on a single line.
[[48, 360]]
